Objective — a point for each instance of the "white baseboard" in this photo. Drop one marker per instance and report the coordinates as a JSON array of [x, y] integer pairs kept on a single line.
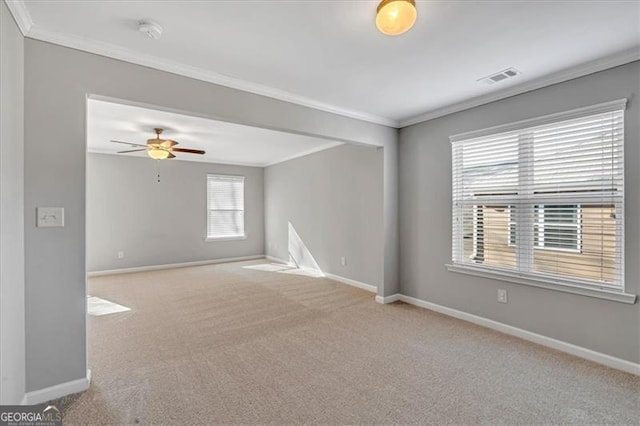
[[172, 265], [354, 283], [57, 391], [579, 351], [276, 259], [344, 280], [388, 299]]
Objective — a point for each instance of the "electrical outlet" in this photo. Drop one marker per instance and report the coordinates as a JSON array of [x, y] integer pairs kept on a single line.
[[343, 261], [502, 295], [120, 255]]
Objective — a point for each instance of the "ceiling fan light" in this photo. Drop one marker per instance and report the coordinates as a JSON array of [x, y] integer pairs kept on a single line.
[[158, 154], [395, 17]]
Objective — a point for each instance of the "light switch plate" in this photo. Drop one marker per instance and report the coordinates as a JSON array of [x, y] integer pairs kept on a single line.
[[49, 217]]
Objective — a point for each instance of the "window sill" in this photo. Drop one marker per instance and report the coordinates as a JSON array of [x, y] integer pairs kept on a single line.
[[234, 238], [616, 296]]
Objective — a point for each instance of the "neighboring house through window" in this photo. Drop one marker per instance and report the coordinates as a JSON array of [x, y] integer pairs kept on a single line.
[[555, 227]]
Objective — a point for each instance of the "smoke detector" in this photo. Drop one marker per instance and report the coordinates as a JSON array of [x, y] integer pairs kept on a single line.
[[150, 28], [499, 76]]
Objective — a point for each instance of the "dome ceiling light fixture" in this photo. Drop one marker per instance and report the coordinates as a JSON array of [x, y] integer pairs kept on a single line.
[[395, 17]]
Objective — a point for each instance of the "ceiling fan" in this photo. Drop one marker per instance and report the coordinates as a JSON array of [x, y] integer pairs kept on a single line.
[[159, 149]]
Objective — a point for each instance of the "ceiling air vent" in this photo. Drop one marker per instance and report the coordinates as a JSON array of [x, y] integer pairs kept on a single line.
[[499, 76]]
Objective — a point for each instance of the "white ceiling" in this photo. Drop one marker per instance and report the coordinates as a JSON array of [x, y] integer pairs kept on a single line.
[[224, 142], [328, 54]]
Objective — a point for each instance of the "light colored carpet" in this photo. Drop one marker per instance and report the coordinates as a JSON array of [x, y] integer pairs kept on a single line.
[[227, 344]]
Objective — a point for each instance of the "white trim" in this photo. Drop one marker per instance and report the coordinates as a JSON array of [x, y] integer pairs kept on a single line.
[[21, 15], [123, 54], [305, 153], [354, 283], [348, 281], [172, 266], [579, 351], [597, 65], [600, 293], [23, 19], [129, 102], [315, 273], [144, 156], [276, 259], [234, 238], [57, 391], [389, 299], [618, 104]]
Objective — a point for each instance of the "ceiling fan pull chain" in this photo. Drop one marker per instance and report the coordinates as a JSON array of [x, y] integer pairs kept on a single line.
[[158, 168]]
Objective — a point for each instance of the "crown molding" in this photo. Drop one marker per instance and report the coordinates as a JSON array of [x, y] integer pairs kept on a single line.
[[21, 14], [91, 150], [209, 117], [116, 52], [611, 61], [322, 147], [18, 9]]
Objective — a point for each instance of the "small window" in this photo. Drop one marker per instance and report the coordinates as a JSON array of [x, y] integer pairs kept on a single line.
[[225, 206]]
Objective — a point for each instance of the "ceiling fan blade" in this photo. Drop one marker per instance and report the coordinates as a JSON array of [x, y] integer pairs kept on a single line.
[[187, 150], [129, 143], [171, 156], [132, 150]]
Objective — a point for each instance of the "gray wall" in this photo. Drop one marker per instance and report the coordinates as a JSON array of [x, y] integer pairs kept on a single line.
[[12, 362], [57, 81], [127, 209], [425, 221], [334, 200], [391, 217]]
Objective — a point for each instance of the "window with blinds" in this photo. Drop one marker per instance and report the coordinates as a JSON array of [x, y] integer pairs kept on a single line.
[[225, 206], [544, 199]]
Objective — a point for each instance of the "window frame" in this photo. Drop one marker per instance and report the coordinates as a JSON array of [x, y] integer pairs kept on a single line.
[[528, 276], [243, 236]]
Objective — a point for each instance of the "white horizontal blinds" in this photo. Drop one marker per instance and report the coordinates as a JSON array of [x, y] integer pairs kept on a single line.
[[577, 186], [486, 169], [485, 180], [544, 200], [490, 168], [581, 157], [225, 206]]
